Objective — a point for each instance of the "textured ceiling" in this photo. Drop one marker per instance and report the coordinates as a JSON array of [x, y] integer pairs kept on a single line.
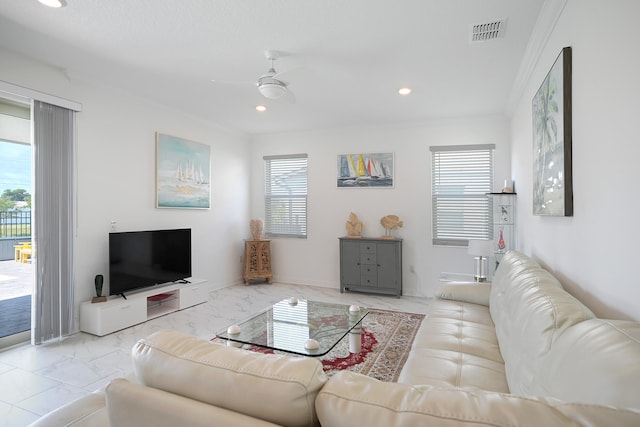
[[347, 57]]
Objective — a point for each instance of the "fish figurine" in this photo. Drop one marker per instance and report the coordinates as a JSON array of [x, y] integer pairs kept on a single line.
[[390, 222]]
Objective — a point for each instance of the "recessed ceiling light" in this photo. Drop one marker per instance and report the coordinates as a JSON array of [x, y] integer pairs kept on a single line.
[[404, 91], [52, 3], [261, 108]]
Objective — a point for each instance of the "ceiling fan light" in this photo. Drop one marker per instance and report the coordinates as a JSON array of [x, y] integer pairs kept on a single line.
[[52, 3], [272, 90], [261, 108]]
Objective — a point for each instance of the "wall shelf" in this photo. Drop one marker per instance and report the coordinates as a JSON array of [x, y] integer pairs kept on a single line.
[[504, 221]]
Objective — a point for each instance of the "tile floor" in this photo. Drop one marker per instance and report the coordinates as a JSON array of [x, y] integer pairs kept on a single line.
[[36, 379]]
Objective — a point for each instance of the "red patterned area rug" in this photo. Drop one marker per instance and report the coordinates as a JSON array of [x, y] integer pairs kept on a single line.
[[387, 337]]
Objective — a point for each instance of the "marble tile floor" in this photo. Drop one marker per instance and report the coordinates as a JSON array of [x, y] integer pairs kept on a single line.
[[36, 379]]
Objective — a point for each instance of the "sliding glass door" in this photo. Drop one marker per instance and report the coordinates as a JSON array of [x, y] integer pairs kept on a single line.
[[16, 248], [52, 136]]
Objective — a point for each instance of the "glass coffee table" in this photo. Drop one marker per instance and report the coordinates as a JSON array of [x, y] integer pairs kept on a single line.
[[303, 327]]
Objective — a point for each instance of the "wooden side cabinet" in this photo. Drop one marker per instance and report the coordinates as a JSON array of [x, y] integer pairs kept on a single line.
[[257, 261], [371, 265]]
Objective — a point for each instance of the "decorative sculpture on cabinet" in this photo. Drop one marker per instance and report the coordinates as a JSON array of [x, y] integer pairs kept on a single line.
[[256, 226], [354, 226], [390, 222]]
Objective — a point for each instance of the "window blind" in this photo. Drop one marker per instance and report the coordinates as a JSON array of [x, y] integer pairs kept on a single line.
[[53, 141], [461, 177], [286, 196]]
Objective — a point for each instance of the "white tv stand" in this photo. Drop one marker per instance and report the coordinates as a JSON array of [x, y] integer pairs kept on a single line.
[[118, 313]]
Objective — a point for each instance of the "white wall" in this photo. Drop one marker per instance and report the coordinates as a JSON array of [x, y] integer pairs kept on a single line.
[[116, 175], [595, 251], [316, 259]]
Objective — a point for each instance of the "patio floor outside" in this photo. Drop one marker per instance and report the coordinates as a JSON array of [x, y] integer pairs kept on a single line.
[[16, 287], [16, 279]]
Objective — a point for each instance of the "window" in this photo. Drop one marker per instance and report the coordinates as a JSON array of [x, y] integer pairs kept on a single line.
[[285, 195], [461, 177]]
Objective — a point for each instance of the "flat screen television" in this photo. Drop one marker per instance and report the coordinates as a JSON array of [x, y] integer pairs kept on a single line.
[[140, 259]]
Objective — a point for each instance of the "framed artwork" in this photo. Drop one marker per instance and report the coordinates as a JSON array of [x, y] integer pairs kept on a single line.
[[552, 174], [183, 173], [502, 214], [365, 170]]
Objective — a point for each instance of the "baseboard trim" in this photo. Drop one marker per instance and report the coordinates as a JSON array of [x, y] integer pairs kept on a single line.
[[15, 339]]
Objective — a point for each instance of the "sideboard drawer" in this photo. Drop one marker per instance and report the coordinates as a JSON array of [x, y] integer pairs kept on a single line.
[[367, 259], [367, 248], [369, 270], [369, 280]]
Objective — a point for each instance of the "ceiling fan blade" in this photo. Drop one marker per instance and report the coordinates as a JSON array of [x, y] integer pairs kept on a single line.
[[289, 97], [291, 74], [233, 82]]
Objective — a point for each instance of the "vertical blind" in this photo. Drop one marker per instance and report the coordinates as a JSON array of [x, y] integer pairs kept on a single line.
[[285, 195], [462, 175], [52, 311]]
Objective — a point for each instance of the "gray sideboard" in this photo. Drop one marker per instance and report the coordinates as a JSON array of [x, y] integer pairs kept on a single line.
[[371, 265]]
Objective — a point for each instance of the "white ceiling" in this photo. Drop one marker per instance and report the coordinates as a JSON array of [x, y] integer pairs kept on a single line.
[[351, 56]]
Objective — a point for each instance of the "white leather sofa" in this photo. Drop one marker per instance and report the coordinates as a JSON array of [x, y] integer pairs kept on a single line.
[[518, 352]]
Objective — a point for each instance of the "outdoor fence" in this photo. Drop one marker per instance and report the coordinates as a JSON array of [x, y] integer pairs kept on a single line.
[[15, 228]]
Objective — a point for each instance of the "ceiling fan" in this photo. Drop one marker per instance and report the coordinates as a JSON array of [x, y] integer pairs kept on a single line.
[[271, 85]]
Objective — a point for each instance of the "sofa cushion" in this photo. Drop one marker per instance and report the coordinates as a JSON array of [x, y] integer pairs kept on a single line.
[[279, 389], [595, 361], [135, 405], [530, 311], [456, 346], [351, 399], [88, 411], [474, 293]]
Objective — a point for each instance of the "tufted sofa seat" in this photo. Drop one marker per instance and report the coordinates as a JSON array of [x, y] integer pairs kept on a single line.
[[456, 346]]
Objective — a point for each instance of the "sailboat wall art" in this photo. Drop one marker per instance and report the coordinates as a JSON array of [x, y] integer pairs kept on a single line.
[[183, 173], [365, 170]]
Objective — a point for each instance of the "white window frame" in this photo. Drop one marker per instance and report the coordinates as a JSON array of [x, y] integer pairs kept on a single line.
[[285, 195], [461, 179]]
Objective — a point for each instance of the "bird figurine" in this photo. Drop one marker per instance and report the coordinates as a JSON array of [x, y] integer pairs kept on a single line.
[[354, 226]]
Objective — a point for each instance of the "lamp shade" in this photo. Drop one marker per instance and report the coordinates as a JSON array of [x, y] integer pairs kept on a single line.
[[272, 90], [52, 3], [480, 247]]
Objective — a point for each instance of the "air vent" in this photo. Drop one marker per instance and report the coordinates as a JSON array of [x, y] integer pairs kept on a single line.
[[488, 31]]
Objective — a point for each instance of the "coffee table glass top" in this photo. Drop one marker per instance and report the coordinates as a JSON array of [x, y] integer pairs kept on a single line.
[[287, 325]]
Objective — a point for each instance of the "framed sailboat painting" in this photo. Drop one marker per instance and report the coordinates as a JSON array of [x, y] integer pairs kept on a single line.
[[183, 173], [368, 170]]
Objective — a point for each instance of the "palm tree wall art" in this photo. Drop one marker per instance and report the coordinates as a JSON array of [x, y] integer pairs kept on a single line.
[[552, 175]]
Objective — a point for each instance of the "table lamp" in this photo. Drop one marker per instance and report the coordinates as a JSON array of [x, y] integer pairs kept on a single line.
[[481, 250]]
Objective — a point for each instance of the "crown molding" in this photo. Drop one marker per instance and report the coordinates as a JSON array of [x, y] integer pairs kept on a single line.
[[544, 26], [23, 94]]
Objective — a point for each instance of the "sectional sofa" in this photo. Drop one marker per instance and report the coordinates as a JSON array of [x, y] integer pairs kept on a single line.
[[518, 352]]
